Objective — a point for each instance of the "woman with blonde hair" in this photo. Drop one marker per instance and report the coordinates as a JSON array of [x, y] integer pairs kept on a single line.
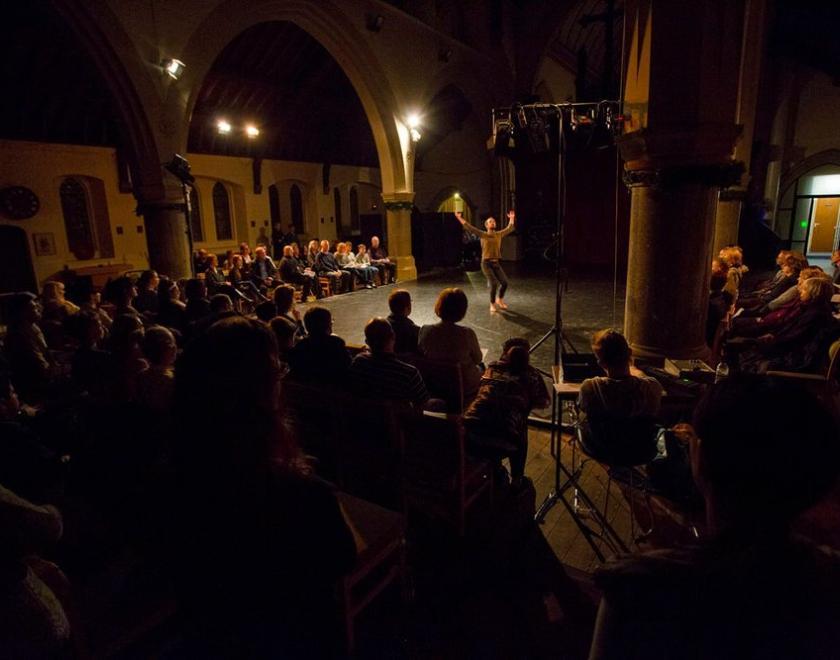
[[56, 306]]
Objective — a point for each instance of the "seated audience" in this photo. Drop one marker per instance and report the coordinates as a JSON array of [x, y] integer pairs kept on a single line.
[[201, 261], [221, 307], [284, 303], [320, 357], [90, 362], [748, 588], [777, 276], [720, 306], [156, 385], [198, 305], [293, 272], [379, 258], [313, 249], [122, 292], [33, 621], [497, 420], [92, 302], [447, 341], [327, 266], [25, 348], [625, 391], [363, 261], [172, 312], [733, 257], [756, 304], [237, 274], [406, 330], [147, 298], [126, 359], [245, 253], [55, 306], [263, 270], [379, 374], [216, 281], [261, 544], [347, 262]]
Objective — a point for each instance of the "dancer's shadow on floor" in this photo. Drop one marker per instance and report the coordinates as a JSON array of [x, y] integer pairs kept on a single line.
[[530, 324]]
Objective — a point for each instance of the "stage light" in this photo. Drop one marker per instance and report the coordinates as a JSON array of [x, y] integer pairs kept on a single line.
[[413, 120], [174, 68], [457, 195], [223, 127], [252, 131]]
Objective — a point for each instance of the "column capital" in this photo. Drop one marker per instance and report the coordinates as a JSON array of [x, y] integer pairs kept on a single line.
[[709, 143], [398, 201], [716, 175]]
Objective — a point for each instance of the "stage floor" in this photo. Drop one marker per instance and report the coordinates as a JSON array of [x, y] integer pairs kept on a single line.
[[588, 306]]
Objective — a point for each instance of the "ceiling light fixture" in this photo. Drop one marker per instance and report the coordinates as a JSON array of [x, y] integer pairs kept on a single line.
[[173, 68], [223, 127], [252, 131]]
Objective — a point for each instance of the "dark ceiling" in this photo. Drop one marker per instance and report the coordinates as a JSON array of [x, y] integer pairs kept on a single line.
[[52, 90], [807, 31], [281, 79]]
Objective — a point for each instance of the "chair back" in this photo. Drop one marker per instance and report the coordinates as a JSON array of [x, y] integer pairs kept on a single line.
[[444, 380], [617, 440]]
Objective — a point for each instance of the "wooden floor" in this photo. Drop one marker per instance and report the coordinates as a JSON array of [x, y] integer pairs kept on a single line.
[[561, 532]]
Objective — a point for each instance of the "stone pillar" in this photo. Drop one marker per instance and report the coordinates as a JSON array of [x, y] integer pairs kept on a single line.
[[166, 236], [672, 222], [727, 219], [398, 207]]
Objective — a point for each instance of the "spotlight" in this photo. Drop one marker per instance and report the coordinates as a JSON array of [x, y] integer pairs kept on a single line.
[[174, 68], [413, 120], [252, 131], [223, 127], [457, 195]]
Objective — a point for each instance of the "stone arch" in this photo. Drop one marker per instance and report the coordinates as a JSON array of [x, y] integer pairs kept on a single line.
[[445, 193], [324, 22], [827, 157], [127, 77]]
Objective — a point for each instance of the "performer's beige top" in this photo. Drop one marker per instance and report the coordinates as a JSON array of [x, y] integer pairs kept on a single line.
[[491, 242]]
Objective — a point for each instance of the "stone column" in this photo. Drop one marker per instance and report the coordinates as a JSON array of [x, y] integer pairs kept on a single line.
[[727, 219], [398, 207], [166, 236], [672, 220]]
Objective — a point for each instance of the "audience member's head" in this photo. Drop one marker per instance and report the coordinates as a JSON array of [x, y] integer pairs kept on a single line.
[[287, 251], [313, 246], [516, 353], [399, 302], [227, 385], [148, 281], [236, 261], [221, 303], [244, 249], [318, 322], [612, 351], [87, 328], [813, 271], [265, 311], [212, 261], [379, 336], [285, 333], [259, 253], [732, 256], [21, 309], [122, 291], [52, 292], [719, 267], [295, 249], [284, 298], [793, 264], [780, 258], [816, 291], [195, 289], [451, 305], [325, 246], [167, 291], [159, 346], [743, 462], [361, 248]]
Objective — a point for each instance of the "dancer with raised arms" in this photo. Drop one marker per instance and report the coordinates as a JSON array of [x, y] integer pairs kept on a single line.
[[491, 254]]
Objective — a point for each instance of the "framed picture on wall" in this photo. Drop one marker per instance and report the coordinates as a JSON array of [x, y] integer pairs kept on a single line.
[[44, 244]]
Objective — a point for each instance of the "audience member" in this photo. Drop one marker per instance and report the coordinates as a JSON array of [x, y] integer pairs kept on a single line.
[[497, 419], [347, 262], [379, 258], [293, 272], [733, 257], [447, 341], [749, 589], [379, 374], [147, 299], [284, 303], [201, 261], [172, 312], [406, 330], [266, 311], [327, 266], [320, 357], [127, 361], [156, 385], [198, 306], [263, 270], [363, 261], [90, 363], [26, 349], [55, 307], [245, 253], [720, 307], [92, 302], [261, 543], [122, 292]]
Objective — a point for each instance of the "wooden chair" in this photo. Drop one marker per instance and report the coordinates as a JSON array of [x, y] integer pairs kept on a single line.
[[380, 544], [444, 380], [326, 285], [439, 480]]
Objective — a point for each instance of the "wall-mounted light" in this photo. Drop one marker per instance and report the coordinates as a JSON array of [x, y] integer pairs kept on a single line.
[[456, 195], [173, 68], [223, 127], [252, 131]]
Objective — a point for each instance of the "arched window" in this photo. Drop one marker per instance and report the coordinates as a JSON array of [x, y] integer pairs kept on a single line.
[[221, 212], [274, 204], [354, 208], [196, 227], [337, 199], [75, 207], [296, 203]]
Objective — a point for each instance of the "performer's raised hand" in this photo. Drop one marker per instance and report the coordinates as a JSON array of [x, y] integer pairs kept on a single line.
[[460, 217], [511, 216]]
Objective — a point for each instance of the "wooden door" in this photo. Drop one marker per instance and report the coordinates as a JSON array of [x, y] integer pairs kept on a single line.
[[824, 224]]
